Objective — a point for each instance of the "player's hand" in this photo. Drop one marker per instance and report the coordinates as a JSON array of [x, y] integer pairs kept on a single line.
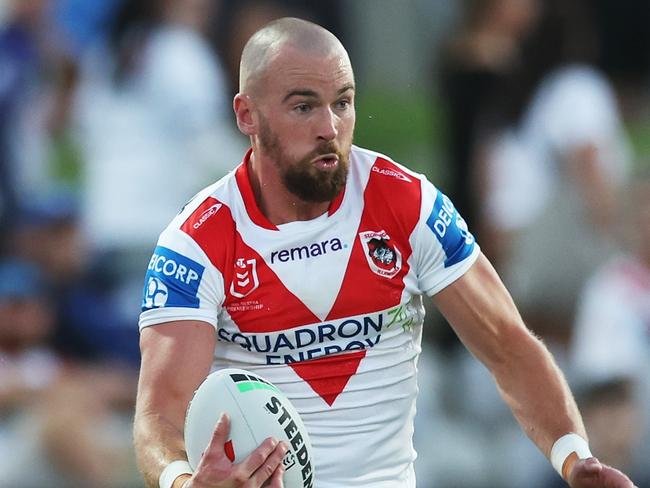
[[591, 473], [262, 468]]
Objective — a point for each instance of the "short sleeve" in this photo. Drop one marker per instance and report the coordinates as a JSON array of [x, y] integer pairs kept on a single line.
[[443, 247], [180, 283]]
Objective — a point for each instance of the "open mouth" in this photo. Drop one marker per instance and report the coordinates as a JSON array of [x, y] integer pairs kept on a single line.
[[326, 161]]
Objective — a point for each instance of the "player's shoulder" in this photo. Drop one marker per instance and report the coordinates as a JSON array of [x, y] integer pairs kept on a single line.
[[370, 159], [395, 180], [386, 173], [207, 201]]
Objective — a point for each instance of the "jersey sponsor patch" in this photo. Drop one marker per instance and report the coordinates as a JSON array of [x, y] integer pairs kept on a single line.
[[381, 253], [172, 280], [245, 279], [390, 172], [451, 230], [308, 251]]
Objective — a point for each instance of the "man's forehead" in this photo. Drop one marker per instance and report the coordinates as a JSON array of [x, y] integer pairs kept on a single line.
[[289, 45], [293, 69]]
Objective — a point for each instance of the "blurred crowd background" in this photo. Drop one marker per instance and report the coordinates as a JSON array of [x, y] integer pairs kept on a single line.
[[532, 115]]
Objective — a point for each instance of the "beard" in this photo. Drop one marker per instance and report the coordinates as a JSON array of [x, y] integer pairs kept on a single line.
[[299, 174]]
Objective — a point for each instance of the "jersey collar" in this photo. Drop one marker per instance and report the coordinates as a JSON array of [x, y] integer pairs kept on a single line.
[[242, 176]]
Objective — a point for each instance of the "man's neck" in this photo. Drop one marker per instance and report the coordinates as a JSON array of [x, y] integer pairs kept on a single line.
[[276, 203]]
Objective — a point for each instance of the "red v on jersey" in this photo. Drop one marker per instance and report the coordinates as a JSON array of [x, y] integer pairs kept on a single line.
[[329, 375], [329, 309], [271, 306], [363, 289], [281, 308], [258, 301]]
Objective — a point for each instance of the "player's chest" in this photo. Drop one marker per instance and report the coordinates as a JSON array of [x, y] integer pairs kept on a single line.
[[336, 271]]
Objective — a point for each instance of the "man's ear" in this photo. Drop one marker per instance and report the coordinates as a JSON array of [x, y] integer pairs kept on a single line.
[[243, 107]]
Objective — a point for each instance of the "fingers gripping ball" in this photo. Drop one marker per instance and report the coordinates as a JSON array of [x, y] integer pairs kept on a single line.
[[257, 410]]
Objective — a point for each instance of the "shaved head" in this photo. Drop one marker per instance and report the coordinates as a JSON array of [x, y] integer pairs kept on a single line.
[[265, 45], [296, 103]]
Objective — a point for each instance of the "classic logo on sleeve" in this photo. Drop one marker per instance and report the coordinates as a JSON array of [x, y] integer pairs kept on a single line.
[[451, 230], [172, 280]]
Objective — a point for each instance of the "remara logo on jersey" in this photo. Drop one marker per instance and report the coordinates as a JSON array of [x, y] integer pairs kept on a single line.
[[451, 230], [172, 280], [308, 250], [382, 255]]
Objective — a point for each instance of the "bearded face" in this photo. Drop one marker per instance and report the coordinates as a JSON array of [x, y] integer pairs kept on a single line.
[[299, 173]]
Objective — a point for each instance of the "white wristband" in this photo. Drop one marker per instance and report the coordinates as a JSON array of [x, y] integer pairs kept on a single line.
[[565, 446], [172, 471]]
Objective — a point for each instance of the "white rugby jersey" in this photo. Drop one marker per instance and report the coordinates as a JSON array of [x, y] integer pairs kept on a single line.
[[329, 310]]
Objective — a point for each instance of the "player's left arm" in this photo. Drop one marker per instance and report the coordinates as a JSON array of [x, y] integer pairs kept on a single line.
[[484, 316]]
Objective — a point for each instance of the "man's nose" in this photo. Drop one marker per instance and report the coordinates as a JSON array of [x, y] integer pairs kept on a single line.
[[327, 125]]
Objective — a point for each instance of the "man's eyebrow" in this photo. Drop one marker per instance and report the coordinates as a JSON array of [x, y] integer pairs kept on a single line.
[[345, 88], [300, 93], [313, 94]]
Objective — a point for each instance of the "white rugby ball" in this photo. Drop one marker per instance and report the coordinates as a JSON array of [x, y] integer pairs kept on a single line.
[[257, 410]]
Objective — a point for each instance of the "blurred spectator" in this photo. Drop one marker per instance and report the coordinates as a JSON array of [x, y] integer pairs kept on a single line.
[[625, 53], [21, 70], [85, 289], [553, 169], [611, 416], [154, 125], [37, 81], [47, 234], [612, 344], [484, 52], [4, 12], [243, 18], [55, 420], [479, 59], [27, 369], [239, 19], [151, 121], [37, 75], [547, 155], [77, 24]]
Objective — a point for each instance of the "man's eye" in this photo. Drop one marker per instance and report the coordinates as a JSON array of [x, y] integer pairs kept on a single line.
[[302, 108], [343, 104]]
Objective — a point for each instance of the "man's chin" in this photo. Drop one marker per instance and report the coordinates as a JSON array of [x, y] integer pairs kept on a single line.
[[315, 191], [315, 181]]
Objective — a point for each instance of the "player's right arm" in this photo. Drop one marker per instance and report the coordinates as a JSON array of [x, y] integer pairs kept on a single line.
[[183, 295], [176, 358]]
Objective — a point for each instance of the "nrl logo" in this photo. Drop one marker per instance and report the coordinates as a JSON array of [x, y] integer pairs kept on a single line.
[[245, 278], [383, 256]]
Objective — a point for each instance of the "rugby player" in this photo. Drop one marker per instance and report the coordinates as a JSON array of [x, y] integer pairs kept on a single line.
[[308, 265]]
